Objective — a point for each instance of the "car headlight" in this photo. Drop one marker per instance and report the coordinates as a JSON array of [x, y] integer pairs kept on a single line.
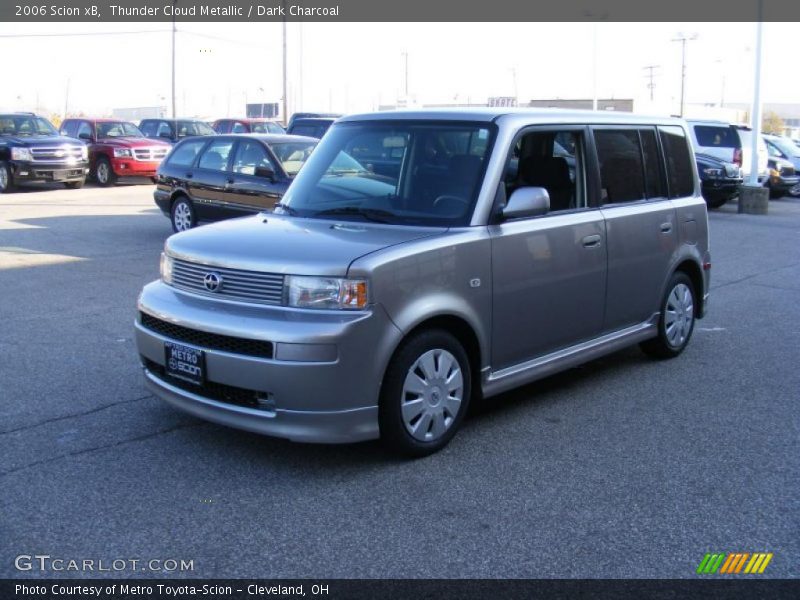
[[122, 153], [166, 267], [326, 292], [21, 154], [85, 152], [713, 172]]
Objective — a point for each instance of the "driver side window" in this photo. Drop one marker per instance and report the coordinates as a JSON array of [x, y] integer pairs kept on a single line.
[[553, 160]]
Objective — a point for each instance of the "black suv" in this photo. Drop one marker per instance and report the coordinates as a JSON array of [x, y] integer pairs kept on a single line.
[[31, 150]]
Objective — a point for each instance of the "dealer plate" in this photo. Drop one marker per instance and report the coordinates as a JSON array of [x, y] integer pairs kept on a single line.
[[185, 362]]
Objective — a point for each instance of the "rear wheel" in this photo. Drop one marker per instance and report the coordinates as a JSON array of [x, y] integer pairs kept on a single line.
[[103, 173], [183, 216], [6, 179], [425, 394], [676, 323]]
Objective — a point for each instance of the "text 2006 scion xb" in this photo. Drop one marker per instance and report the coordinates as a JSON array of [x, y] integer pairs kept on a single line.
[[421, 259]]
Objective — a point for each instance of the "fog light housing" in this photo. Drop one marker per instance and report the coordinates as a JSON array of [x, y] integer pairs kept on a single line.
[[265, 401]]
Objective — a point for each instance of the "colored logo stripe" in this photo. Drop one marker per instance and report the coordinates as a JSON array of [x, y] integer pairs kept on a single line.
[[734, 562]]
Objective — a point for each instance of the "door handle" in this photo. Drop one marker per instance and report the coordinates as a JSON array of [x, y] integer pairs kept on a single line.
[[189, 175], [666, 227], [591, 241]]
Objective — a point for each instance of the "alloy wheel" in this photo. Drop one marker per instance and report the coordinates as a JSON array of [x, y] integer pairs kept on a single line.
[[679, 315], [182, 217]]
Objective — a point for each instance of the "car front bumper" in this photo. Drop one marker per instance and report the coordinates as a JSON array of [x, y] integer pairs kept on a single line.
[[30, 171], [128, 167], [321, 383], [783, 183]]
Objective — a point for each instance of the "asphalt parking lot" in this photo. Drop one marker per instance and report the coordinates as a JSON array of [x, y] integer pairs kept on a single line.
[[625, 467]]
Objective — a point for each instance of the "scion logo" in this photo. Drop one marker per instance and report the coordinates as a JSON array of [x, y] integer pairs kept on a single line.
[[734, 563], [212, 281]]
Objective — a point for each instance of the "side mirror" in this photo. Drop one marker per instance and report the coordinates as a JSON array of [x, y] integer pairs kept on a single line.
[[526, 202], [84, 136], [165, 134], [265, 172]]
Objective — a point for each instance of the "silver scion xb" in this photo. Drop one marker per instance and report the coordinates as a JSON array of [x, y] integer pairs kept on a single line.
[[422, 259]]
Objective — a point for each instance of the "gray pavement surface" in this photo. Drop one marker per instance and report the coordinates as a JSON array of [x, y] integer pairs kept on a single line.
[[625, 467]]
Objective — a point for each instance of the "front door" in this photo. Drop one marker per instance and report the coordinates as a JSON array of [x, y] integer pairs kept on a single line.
[[249, 186], [549, 271]]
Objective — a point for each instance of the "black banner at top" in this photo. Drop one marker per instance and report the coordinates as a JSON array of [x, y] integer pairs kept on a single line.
[[399, 10]]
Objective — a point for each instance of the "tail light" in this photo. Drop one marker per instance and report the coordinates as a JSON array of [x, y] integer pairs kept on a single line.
[[737, 156]]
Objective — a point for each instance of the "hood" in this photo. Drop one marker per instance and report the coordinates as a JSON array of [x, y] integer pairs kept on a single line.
[[132, 142], [39, 140], [290, 245]]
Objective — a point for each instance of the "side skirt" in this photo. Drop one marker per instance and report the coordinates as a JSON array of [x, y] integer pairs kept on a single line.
[[497, 382]]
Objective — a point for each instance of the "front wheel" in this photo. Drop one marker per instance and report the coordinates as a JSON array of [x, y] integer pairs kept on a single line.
[[425, 394], [103, 173], [6, 179], [183, 216], [716, 200], [74, 185], [676, 323]]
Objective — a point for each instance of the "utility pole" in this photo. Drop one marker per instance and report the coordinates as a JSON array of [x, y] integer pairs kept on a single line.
[[174, 114], [405, 56], [651, 73], [683, 38], [66, 100], [285, 75], [755, 124]]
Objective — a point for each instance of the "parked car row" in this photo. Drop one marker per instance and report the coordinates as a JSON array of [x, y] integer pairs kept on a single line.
[[722, 153]]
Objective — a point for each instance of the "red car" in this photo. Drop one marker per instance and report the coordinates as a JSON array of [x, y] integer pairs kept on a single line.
[[116, 148], [247, 126]]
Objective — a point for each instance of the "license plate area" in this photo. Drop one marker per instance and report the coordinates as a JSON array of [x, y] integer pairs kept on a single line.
[[185, 362], [60, 175]]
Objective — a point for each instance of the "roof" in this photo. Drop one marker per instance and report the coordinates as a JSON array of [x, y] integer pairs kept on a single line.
[[490, 114], [100, 119], [250, 119], [269, 138]]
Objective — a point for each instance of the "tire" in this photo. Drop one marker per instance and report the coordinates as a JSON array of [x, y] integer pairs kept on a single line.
[[103, 173], [182, 214], [679, 304], [74, 185], [716, 201], [6, 179], [418, 423]]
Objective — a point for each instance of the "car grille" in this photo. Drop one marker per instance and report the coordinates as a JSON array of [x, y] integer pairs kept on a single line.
[[66, 153], [787, 171], [150, 154], [220, 392], [204, 339], [248, 286]]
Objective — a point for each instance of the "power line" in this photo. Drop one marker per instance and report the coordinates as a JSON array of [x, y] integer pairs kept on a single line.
[[651, 75]]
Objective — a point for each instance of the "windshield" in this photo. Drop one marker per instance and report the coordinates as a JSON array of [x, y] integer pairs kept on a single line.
[[191, 128], [107, 129], [25, 125], [785, 146], [266, 127], [292, 155], [394, 172]]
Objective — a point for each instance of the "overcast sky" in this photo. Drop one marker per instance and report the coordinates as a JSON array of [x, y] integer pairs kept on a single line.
[[349, 67]]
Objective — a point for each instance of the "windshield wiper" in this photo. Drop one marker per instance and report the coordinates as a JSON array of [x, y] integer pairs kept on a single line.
[[285, 207], [371, 214]]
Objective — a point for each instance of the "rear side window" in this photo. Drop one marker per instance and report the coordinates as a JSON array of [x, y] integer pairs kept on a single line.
[[621, 168], [184, 154], [215, 156], [654, 182], [716, 136], [680, 170]]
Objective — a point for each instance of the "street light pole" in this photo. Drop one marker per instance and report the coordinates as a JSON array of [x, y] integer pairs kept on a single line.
[[682, 38], [174, 114], [285, 75], [755, 125]]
